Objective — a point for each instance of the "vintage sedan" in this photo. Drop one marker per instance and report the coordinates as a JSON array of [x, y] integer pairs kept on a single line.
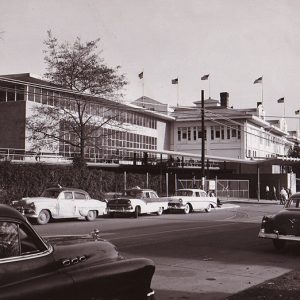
[[58, 203], [187, 200], [137, 201], [82, 267], [283, 226]]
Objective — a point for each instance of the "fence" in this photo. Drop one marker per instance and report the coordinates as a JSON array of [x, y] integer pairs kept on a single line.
[[224, 188]]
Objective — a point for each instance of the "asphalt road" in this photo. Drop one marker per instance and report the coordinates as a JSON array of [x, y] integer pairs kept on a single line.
[[197, 256]]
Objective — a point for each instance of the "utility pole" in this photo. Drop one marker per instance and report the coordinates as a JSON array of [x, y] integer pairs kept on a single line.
[[203, 141]]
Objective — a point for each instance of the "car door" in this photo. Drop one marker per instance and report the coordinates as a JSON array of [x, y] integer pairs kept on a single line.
[[67, 206], [27, 267], [197, 203]]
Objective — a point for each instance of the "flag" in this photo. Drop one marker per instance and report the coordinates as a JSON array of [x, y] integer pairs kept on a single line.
[[141, 75], [175, 81], [281, 100], [258, 80], [205, 77], [297, 112]]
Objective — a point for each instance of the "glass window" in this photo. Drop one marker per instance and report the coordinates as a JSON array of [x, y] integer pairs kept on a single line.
[[233, 132], [179, 134], [189, 133], [68, 195], [217, 132], [29, 242], [37, 95], [31, 93], [44, 96], [212, 134], [9, 240], [20, 93], [2, 95], [184, 133], [239, 132], [195, 134], [222, 133], [78, 195], [228, 133]]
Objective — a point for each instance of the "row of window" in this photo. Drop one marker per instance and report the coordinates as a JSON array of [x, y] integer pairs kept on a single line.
[[216, 133], [13, 92], [109, 142]]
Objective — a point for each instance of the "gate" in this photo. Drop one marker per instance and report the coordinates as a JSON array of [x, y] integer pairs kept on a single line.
[[224, 188]]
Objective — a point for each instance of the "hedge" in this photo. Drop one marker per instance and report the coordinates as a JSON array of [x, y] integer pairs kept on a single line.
[[17, 180]]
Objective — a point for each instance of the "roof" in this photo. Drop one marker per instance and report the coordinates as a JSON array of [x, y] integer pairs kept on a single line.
[[9, 212]]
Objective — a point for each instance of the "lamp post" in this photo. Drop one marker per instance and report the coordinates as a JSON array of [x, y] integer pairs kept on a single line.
[[203, 141]]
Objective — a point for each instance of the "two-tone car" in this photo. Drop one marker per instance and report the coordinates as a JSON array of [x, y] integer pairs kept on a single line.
[[283, 226], [137, 201], [60, 203], [77, 267], [188, 200]]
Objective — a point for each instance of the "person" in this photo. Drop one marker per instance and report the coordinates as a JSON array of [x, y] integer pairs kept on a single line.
[[274, 191], [38, 155], [283, 196], [267, 192]]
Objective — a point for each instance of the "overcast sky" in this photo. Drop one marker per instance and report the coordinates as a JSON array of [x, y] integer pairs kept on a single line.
[[235, 41]]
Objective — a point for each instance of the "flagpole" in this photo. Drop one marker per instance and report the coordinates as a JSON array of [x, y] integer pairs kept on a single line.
[[209, 87], [143, 86], [262, 93], [178, 92]]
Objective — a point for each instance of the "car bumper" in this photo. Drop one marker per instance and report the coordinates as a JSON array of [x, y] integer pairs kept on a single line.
[[176, 207], [120, 210], [277, 236]]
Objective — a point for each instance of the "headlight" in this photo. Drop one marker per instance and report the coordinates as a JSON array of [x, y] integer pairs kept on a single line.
[[180, 201], [32, 205]]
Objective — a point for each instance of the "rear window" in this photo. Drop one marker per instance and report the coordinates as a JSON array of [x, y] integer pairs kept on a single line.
[[50, 193]]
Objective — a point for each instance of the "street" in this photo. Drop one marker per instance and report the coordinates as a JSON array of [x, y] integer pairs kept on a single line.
[[199, 255]]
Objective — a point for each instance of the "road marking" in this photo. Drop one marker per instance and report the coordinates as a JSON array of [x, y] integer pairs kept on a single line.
[[171, 231]]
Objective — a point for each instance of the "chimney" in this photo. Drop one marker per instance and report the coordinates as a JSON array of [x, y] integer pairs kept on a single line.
[[224, 99]]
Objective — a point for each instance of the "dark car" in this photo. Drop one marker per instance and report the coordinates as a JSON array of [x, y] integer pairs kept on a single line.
[[285, 225], [65, 267]]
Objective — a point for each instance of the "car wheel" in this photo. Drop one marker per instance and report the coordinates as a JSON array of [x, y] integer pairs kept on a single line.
[[91, 216], [186, 209], [208, 209], [43, 217], [279, 244], [160, 211], [137, 211]]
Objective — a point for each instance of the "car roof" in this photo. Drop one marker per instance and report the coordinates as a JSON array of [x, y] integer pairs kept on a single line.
[[140, 190], [194, 190], [7, 211], [61, 189]]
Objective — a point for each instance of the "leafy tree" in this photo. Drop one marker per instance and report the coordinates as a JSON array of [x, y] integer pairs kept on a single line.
[[294, 151], [80, 68]]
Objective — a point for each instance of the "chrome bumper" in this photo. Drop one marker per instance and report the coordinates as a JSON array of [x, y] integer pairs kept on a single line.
[[277, 236]]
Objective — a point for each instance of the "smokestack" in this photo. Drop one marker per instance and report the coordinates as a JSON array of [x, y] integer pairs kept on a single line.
[[224, 99]]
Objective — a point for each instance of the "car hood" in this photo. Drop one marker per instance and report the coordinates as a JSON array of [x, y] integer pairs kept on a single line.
[[77, 249]]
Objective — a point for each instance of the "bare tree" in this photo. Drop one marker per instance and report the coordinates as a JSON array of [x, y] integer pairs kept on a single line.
[[71, 120]]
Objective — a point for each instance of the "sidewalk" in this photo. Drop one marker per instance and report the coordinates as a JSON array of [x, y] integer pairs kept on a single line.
[[254, 201]]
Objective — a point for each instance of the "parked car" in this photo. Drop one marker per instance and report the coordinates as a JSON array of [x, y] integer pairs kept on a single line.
[[187, 200], [82, 267], [283, 226], [58, 203], [137, 201]]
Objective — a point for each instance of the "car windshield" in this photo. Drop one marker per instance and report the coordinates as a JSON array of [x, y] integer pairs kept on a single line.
[[50, 193], [133, 193], [184, 193], [293, 202]]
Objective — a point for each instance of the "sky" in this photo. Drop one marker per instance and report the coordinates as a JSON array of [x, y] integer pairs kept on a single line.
[[235, 41]]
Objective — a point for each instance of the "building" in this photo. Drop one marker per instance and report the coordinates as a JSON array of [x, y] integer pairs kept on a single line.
[[229, 133], [133, 127]]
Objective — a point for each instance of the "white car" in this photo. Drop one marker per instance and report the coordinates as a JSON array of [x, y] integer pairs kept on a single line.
[[187, 200], [137, 201], [58, 203]]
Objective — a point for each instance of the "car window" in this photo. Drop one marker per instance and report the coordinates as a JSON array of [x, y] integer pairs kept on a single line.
[[294, 203], [29, 242], [184, 193], [50, 193], [153, 195], [78, 195], [9, 240], [68, 195], [197, 194], [147, 195], [203, 194]]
